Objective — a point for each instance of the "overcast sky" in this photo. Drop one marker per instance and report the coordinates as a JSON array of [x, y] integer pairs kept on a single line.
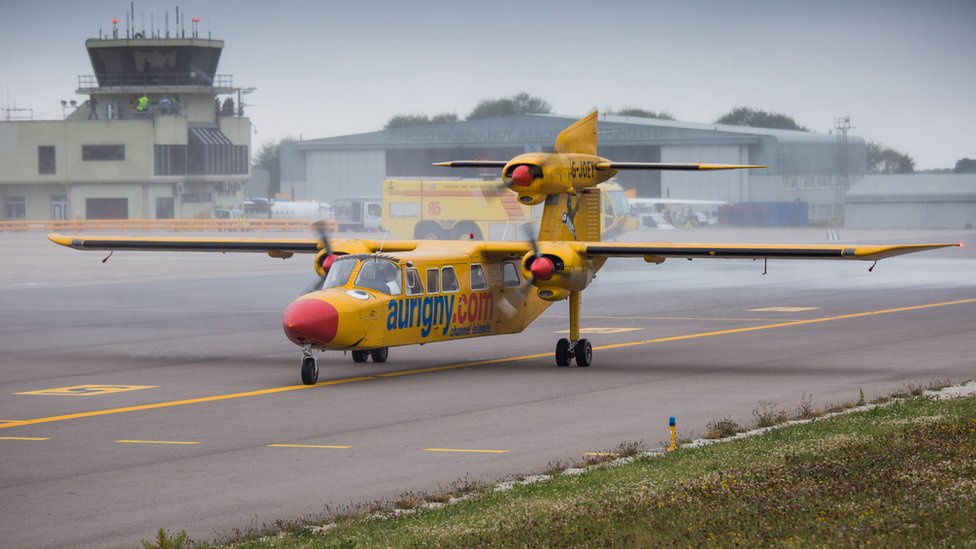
[[903, 70]]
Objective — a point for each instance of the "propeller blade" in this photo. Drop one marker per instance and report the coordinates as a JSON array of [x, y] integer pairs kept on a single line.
[[324, 238]]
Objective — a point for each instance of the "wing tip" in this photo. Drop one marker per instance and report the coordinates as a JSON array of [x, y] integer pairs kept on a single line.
[[60, 239]]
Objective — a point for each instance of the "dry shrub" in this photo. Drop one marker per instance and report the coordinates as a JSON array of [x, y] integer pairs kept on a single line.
[[721, 428]]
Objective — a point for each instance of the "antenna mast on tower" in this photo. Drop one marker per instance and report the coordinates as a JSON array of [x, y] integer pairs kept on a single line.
[[842, 125]]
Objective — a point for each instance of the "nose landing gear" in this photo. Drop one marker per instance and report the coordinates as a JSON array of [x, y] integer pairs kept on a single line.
[[310, 367]]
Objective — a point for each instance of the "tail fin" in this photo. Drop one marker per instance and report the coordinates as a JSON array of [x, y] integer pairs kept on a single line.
[[582, 217], [580, 137], [581, 211]]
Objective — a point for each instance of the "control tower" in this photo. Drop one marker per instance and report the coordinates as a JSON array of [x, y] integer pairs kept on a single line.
[[159, 135], [183, 70]]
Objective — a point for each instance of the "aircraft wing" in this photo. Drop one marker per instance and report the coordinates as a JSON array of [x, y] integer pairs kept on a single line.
[[656, 252], [186, 244], [275, 247], [670, 166]]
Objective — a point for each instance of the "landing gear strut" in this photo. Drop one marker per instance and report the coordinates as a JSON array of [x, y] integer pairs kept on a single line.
[[310, 367], [378, 355], [574, 347]]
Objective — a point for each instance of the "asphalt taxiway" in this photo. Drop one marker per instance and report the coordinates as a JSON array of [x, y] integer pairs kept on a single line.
[[157, 390]]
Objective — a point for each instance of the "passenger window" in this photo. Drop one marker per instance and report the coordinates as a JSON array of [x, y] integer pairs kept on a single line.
[[380, 275], [450, 280], [478, 281], [433, 281], [512, 279], [414, 287]]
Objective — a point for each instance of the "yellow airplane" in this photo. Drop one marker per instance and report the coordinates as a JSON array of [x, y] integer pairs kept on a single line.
[[374, 294]]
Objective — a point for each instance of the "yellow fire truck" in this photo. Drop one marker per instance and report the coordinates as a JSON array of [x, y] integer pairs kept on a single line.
[[438, 209]]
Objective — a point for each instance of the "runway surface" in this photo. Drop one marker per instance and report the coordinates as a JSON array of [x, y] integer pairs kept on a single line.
[[157, 390]]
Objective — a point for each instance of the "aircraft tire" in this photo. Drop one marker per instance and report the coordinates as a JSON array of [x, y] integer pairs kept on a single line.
[[380, 355], [562, 352], [584, 353], [360, 356], [310, 370]]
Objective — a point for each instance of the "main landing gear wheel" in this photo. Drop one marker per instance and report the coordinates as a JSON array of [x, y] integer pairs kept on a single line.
[[310, 370], [563, 352], [379, 355], [584, 353], [360, 356]]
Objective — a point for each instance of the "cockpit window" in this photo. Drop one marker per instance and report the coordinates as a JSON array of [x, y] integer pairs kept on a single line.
[[339, 273], [380, 275]]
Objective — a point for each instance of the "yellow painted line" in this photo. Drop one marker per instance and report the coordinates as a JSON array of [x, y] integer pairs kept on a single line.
[[703, 318], [158, 405], [24, 438], [784, 309], [309, 446], [176, 442], [787, 324], [418, 371], [88, 390], [466, 451], [603, 331]]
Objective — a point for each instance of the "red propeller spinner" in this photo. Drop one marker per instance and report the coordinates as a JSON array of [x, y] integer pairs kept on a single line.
[[542, 268], [521, 175]]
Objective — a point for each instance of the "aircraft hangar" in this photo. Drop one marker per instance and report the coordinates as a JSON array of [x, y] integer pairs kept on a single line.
[[913, 201], [810, 167]]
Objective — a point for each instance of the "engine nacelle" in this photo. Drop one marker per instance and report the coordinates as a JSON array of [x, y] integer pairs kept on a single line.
[[557, 270], [323, 262]]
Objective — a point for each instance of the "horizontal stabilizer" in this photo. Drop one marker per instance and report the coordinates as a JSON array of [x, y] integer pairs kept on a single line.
[[472, 164], [666, 166]]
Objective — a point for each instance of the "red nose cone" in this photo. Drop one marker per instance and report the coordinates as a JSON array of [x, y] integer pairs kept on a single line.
[[542, 268], [521, 175], [310, 321]]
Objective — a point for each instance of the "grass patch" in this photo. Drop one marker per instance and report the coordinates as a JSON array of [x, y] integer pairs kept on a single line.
[[899, 475]]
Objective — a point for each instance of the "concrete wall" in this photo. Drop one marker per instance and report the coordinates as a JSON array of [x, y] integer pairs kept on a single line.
[[20, 162]]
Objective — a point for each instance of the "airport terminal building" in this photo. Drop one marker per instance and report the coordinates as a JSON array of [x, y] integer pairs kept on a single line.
[[151, 141], [803, 166]]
